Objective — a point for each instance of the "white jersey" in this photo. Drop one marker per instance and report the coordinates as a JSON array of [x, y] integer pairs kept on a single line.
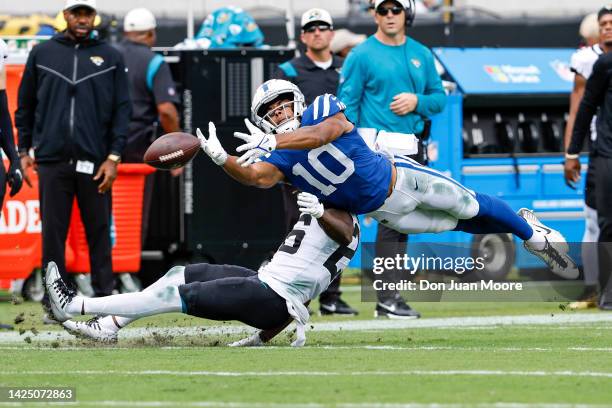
[[305, 264], [582, 62]]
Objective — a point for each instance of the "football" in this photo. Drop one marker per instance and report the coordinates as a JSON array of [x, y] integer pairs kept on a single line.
[[172, 150]]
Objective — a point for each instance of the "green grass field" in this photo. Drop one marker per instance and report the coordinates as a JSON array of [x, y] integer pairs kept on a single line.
[[458, 354]]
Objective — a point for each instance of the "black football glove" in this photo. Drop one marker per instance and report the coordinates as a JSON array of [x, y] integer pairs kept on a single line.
[[15, 177]]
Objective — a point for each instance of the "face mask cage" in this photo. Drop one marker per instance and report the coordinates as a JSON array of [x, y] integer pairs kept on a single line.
[[280, 115], [284, 121]]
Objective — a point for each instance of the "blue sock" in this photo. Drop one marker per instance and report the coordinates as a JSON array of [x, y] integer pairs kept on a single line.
[[495, 216]]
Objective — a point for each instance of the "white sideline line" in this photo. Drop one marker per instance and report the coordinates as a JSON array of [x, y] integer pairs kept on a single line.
[[562, 319], [484, 373], [373, 348], [221, 404]]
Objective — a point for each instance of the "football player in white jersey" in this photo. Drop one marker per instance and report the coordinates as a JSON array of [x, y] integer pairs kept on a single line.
[[320, 245], [318, 150], [598, 41]]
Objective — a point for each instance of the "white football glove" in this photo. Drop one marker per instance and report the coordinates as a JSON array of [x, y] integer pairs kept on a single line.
[[309, 204], [212, 147], [252, 341], [257, 144]]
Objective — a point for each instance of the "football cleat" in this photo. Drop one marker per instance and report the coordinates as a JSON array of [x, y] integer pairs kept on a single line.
[[251, 341], [395, 308], [60, 295], [91, 330], [582, 305], [338, 307], [555, 250]]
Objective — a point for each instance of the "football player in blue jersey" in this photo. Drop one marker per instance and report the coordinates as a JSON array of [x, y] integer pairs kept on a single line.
[[318, 150]]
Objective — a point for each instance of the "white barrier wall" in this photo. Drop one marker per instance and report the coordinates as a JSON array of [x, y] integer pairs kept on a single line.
[[178, 8], [175, 8], [551, 8]]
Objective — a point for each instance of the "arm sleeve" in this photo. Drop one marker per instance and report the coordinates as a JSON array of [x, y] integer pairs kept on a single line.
[[7, 143], [594, 93], [164, 89], [122, 109], [352, 80], [26, 104], [433, 99]]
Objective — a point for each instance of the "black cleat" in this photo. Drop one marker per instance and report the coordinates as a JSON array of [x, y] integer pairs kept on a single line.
[[337, 306], [395, 309]]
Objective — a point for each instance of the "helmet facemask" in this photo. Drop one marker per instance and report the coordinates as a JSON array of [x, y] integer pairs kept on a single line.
[[279, 119], [282, 118]]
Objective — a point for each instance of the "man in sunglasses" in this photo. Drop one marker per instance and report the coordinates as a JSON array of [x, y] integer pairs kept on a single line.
[[315, 72], [397, 96]]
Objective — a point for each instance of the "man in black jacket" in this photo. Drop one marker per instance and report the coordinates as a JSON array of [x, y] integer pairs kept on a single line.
[[598, 94], [73, 112], [13, 177]]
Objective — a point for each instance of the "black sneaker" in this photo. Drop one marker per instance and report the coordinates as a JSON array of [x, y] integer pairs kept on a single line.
[[337, 306], [395, 309]]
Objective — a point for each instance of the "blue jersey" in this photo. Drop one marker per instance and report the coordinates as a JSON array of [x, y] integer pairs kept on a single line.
[[345, 173]]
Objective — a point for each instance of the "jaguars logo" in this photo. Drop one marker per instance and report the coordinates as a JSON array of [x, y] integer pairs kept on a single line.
[[98, 61], [315, 15]]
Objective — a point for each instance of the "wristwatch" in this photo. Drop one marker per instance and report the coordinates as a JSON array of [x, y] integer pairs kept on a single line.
[[114, 157], [569, 156]]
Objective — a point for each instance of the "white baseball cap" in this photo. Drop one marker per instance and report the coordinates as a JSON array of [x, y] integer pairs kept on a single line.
[[71, 4], [404, 3], [316, 14], [139, 19]]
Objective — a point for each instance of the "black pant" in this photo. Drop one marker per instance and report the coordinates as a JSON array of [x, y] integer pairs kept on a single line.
[[603, 196], [2, 186], [58, 184], [389, 243], [292, 214], [229, 292]]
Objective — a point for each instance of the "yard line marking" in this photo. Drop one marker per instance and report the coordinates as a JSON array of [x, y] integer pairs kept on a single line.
[[316, 373], [96, 347], [222, 404], [487, 322]]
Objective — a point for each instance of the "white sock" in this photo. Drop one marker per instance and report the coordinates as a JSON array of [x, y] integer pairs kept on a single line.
[[114, 323], [161, 297], [134, 305], [174, 277], [537, 240]]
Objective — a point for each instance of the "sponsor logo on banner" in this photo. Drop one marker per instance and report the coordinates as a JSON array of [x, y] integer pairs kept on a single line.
[[512, 74], [562, 68], [20, 217]]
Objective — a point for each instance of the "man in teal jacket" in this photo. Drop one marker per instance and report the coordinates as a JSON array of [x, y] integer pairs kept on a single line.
[[390, 83]]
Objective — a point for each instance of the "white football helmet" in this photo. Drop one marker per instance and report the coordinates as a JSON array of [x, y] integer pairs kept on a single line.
[[267, 93]]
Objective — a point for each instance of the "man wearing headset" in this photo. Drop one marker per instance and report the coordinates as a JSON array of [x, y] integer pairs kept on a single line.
[[397, 96]]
